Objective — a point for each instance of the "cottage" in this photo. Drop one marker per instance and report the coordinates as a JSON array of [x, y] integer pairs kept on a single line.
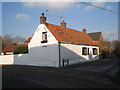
[[57, 45]]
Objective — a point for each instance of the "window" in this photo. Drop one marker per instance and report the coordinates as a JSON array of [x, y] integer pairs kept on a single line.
[[84, 51], [95, 51], [88, 51], [44, 37]]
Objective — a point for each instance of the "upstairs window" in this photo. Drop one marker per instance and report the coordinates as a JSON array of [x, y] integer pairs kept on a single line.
[[95, 51], [84, 51], [44, 37]]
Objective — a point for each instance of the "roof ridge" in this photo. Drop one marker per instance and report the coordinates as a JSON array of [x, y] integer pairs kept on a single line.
[[94, 32], [63, 27]]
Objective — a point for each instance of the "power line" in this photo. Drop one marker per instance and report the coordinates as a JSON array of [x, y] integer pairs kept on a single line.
[[100, 7], [59, 17]]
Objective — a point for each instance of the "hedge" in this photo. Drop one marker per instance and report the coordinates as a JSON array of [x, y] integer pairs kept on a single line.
[[21, 50]]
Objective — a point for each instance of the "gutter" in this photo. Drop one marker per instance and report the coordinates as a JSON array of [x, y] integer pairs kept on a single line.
[[76, 43]]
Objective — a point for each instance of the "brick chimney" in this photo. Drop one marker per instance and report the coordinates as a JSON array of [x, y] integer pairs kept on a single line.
[[63, 24], [42, 19], [84, 30]]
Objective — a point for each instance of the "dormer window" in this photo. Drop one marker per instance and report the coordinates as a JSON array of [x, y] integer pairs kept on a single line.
[[44, 37]]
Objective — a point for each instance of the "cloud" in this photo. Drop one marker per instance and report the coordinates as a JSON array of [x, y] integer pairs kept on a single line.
[[51, 5], [48, 5], [109, 8], [22, 16], [97, 3], [48, 0], [112, 33]]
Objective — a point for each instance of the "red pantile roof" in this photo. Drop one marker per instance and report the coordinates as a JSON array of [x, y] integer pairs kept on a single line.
[[11, 48], [70, 35], [28, 40]]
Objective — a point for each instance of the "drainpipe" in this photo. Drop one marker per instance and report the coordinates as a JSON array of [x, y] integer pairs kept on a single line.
[[59, 54]]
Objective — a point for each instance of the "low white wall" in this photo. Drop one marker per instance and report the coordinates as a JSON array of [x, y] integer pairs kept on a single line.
[[21, 59], [6, 59]]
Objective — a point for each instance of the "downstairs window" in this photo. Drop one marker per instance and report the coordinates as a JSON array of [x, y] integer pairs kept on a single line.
[[84, 51], [95, 51]]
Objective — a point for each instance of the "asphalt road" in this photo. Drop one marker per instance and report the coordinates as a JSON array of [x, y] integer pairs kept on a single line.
[[98, 74]]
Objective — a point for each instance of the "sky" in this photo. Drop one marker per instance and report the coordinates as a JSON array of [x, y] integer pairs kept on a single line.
[[0, 19], [22, 18]]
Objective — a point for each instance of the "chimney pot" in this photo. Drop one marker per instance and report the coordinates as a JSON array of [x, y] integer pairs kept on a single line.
[[63, 24], [42, 19], [84, 30], [42, 14]]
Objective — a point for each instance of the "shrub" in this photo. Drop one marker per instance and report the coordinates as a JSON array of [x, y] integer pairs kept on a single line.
[[117, 52], [104, 54], [21, 50], [117, 48]]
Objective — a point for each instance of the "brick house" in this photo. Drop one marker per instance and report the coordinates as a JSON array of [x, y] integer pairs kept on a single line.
[[98, 38]]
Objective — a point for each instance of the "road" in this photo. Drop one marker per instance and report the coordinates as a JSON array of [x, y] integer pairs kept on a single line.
[[97, 74]]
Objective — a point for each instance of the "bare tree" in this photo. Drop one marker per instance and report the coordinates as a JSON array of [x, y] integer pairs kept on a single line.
[[6, 40], [18, 40]]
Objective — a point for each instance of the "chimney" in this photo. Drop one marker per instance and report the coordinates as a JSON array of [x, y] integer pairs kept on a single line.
[[84, 30], [63, 24], [42, 19]]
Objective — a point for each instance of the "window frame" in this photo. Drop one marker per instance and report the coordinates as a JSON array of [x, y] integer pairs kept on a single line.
[[84, 52], [88, 51], [44, 38], [95, 51]]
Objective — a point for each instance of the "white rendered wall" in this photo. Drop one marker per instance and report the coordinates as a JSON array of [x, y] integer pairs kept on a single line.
[[21, 59], [6, 59], [37, 37], [43, 54], [18, 59], [73, 53]]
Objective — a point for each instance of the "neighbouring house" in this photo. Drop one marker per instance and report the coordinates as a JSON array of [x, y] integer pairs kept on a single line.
[[98, 38], [57, 45], [9, 50]]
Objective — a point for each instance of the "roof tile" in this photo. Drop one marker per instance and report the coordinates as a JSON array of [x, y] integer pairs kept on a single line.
[[70, 35]]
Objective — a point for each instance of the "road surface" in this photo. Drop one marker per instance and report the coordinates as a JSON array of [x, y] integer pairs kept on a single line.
[[97, 74]]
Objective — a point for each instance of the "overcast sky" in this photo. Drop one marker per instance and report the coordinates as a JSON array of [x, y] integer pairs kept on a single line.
[[20, 18]]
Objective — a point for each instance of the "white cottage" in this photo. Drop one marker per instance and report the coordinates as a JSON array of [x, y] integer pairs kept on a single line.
[[57, 45]]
